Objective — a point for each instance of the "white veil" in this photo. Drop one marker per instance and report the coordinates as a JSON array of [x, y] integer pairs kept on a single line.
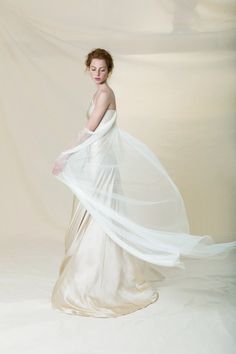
[[125, 188]]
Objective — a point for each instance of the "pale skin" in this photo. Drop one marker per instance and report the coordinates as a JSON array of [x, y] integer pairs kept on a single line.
[[103, 100], [104, 97]]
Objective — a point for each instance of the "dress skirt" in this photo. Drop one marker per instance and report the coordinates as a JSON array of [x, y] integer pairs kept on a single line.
[[97, 277]]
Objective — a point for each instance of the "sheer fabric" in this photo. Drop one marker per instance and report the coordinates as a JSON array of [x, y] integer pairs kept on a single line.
[[128, 192]]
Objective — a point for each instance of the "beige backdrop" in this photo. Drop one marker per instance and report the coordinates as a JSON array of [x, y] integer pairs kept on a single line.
[[174, 80]]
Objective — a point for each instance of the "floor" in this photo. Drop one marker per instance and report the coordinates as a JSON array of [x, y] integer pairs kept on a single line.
[[194, 314]]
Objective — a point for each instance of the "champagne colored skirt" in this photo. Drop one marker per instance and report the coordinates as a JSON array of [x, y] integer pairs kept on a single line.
[[97, 277]]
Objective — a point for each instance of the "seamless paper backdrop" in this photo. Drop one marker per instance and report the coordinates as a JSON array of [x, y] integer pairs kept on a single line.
[[174, 80]]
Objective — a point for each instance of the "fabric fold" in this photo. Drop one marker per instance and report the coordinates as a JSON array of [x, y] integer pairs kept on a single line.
[[138, 205]]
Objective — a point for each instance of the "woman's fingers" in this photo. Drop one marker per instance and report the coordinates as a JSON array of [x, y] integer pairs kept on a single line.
[[59, 165], [56, 169]]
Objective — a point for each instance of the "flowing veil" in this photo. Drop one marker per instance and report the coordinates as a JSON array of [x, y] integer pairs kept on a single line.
[[125, 188]]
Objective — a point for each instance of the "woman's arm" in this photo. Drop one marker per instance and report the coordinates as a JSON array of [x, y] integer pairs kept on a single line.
[[98, 112], [102, 103]]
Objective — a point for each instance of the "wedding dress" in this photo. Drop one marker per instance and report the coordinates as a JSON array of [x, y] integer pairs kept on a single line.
[[128, 215]]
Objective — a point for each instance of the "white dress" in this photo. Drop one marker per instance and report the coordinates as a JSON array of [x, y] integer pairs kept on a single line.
[[128, 214]]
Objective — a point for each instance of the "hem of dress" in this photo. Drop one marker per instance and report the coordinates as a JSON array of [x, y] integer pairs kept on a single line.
[[100, 315]]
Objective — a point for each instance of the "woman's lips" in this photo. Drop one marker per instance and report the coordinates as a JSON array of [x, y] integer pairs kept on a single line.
[[97, 78]]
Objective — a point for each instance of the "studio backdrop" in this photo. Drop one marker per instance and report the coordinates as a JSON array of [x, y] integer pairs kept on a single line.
[[174, 81]]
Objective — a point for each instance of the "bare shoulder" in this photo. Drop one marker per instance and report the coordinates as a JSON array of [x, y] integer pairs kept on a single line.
[[106, 93], [102, 99], [105, 97]]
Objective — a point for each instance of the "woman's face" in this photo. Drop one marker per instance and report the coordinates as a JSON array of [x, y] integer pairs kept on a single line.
[[98, 70]]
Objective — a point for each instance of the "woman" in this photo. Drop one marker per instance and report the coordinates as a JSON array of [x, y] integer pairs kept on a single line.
[[129, 215]]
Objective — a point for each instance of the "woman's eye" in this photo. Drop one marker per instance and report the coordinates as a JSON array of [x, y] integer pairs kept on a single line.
[[95, 70]]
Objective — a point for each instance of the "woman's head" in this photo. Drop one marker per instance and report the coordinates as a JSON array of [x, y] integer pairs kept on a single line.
[[100, 64]]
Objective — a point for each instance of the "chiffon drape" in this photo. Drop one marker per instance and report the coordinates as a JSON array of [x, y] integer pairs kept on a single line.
[[129, 215]]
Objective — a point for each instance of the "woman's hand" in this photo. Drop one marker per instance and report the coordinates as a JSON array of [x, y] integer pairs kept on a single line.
[[59, 165]]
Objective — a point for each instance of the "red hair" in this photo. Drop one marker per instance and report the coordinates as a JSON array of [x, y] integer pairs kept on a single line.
[[100, 53]]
